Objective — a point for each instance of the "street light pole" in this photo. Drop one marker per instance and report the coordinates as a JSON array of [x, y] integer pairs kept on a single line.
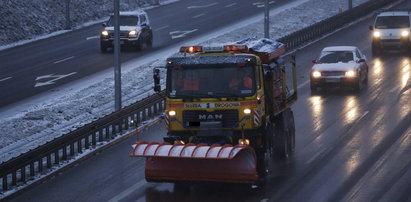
[[266, 20], [68, 26], [117, 67]]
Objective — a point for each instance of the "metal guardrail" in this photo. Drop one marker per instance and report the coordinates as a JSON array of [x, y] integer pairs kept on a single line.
[[15, 171]]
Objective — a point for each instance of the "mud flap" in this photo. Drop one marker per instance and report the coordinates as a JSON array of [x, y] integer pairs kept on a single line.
[[192, 162]]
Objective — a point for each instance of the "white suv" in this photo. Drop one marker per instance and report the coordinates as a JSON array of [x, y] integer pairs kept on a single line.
[[135, 31], [391, 30]]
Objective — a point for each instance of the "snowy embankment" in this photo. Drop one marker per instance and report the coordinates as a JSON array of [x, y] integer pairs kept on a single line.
[[23, 20], [69, 107]]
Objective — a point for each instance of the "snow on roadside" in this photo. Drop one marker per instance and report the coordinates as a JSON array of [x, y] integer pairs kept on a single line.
[[69, 109]]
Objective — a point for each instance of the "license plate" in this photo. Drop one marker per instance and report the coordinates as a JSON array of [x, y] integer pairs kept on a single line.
[[332, 80]]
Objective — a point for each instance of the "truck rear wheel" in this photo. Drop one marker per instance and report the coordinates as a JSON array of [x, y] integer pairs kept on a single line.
[[266, 152], [284, 133]]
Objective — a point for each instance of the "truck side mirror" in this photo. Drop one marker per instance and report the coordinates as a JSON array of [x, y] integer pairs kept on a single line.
[[371, 28], [314, 61], [104, 24], [361, 60], [156, 77]]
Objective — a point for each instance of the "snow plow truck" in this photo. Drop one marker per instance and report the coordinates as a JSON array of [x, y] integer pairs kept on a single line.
[[227, 114]]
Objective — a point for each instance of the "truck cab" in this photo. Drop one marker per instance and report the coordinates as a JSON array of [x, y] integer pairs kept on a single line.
[[391, 30]]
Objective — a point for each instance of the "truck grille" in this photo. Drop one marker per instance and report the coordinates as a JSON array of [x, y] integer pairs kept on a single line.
[[227, 117]]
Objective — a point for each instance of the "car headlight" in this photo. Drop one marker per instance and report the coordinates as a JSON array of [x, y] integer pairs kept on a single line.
[[316, 74], [405, 33], [350, 73], [104, 33], [132, 33], [377, 34]]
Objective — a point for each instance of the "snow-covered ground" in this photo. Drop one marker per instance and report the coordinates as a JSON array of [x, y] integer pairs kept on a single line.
[[42, 118], [22, 20]]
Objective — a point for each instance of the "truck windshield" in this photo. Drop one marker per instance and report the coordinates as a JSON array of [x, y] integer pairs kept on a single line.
[[124, 21], [205, 81], [392, 22]]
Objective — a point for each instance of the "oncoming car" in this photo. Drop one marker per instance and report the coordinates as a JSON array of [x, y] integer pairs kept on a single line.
[[339, 66], [391, 30], [135, 31]]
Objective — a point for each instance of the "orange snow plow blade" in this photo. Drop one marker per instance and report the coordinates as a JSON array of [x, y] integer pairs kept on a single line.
[[190, 162]]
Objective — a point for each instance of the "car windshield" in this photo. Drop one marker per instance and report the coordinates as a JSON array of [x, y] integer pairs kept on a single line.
[[204, 81], [392, 22], [124, 21], [336, 56]]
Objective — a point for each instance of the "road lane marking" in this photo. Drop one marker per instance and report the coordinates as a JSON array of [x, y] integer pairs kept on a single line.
[[179, 34], [229, 5], [205, 6], [199, 15], [160, 28], [52, 81], [363, 115], [92, 37], [63, 59], [128, 191], [5, 79]]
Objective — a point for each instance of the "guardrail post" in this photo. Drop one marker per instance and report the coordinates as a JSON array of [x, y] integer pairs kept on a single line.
[[56, 157], [49, 161], [40, 165], [23, 174], [64, 157], [5, 183], [32, 169], [14, 178], [86, 142], [94, 139], [72, 149]]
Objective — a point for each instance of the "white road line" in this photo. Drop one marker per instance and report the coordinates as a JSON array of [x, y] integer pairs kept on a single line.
[[205, 6], [128, 191], [199, 15], [271, 2], [92, 37], [63, 59], [229, 5], [363, 115], [303, 84], [5, 79], [264, 200], [160, 28]]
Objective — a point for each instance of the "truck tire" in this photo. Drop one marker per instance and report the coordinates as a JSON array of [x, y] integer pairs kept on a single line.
[[284, 134], [266, 152]]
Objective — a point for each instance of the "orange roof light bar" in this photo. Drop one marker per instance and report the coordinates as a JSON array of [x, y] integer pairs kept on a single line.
[[191, 49], [236, 48]]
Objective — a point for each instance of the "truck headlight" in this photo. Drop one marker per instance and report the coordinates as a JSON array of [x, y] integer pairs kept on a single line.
[[405, 33], [172, 113], [132, 33], [316, 74], [377, 34], [350, 73], [104, 33], [247, 111]]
